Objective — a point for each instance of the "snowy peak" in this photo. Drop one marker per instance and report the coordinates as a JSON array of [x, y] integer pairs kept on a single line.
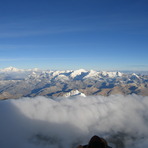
[[73, 93], [73, 74], [111, 74], [20, 83], [119, 74], [70, 75], [33, 76], [77, 73], [56, 73], [92, 74], [134, 76], [11, 69]]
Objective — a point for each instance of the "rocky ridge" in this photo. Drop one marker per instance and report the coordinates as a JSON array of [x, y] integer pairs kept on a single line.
[[16, 83]]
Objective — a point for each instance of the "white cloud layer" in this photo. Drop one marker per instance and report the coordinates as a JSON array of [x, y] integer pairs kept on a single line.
[[66, 122]]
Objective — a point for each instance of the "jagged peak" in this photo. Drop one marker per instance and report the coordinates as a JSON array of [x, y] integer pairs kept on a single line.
[[77, 72], [135, 75]]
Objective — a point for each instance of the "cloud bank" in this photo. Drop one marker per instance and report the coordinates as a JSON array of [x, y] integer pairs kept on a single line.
[[67, 122]]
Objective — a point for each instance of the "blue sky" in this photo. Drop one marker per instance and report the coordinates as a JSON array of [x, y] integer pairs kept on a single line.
[[73, 34]]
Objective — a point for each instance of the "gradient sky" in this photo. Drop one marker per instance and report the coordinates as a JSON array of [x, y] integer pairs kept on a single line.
[[73, 34]]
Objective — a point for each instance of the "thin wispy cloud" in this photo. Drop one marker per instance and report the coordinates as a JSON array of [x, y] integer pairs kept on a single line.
[[33, 28], [9, 59], [32, 59], [56, 29], [28, 33]]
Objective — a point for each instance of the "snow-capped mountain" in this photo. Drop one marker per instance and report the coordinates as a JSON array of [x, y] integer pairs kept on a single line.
[[15, 83], [11, 69], [74, 93], [76, 73]]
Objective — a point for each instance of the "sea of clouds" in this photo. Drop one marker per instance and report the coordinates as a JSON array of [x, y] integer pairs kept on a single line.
[[42, 122]]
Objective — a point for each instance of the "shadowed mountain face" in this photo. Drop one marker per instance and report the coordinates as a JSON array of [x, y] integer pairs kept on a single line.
[[16, 83]]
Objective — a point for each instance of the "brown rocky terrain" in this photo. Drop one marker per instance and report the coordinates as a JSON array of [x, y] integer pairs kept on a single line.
[[58, 83]]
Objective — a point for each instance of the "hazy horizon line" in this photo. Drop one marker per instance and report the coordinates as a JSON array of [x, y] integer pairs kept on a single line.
[[87, 69]]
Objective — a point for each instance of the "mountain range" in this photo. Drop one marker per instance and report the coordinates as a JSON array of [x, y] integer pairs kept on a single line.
[[16, 83]]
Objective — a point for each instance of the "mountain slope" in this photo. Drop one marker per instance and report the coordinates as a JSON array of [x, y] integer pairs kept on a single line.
[[15, 83]]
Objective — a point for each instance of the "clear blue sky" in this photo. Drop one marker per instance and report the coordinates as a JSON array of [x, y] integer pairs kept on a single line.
[[73, 34]]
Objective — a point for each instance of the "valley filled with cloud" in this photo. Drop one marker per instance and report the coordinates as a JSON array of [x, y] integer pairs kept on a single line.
[[66, 122]]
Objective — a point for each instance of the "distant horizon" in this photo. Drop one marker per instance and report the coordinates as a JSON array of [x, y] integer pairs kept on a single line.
[[37, 68]]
